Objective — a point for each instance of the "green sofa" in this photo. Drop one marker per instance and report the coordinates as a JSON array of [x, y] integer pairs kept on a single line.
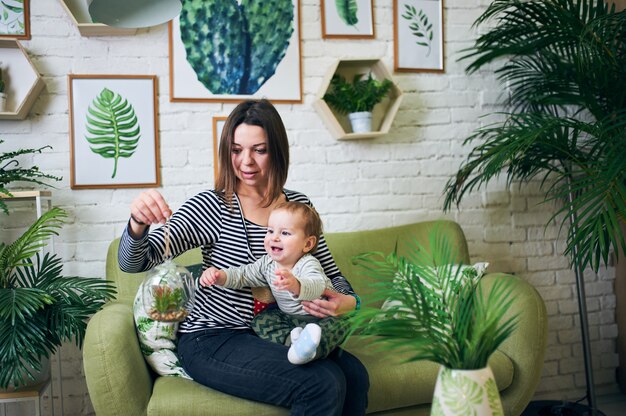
[[121, 383]]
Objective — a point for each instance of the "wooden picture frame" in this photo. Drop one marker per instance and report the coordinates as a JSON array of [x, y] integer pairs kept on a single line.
[[15, 19], [418, 36], [337, 24], [114, 131], [269, 70], [218, 126]]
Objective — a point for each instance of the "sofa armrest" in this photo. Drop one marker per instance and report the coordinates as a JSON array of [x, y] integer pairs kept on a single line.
[[118, 378], [526, 346]]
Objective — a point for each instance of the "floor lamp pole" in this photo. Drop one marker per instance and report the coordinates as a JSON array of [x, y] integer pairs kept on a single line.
[[582, 307]]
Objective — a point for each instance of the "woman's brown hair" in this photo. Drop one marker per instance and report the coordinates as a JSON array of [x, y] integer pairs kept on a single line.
[[263, 114]]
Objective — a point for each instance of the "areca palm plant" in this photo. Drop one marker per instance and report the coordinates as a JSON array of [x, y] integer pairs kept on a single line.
[[40, 308], [435, 308], [564, 62]]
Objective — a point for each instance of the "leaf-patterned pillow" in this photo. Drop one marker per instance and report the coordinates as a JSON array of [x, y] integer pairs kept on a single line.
[[157, 341]]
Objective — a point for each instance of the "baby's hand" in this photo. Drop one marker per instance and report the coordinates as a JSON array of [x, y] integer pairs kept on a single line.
[[287, 281], [212, 276]]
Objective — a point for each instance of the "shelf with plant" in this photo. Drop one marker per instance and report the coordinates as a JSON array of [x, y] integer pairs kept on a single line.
[[20, 74], [358, 85], [436, 309]]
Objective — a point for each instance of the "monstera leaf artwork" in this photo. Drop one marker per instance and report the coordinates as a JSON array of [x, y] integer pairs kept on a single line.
[[235, 47], [113, 127], [346, 9]]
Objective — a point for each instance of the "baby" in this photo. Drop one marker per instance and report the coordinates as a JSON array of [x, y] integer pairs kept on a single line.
[[293, 275]]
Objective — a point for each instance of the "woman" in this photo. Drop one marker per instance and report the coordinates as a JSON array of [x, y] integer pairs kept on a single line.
[[216, 345]]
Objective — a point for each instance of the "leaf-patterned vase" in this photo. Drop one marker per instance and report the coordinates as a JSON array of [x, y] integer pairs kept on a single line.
[[466, 393]]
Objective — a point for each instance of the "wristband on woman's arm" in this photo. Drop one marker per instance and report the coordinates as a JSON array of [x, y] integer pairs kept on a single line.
[[358, 301], [132, 217]]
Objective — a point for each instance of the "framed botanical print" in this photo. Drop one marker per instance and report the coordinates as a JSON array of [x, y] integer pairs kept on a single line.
[[15, 19], [218, 126], [114, 140], [240, 51], [348, 19], [418, 35]]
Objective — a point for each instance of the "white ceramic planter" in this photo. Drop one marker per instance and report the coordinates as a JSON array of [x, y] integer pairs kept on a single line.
[[466, 392], [361, 121], [3, 102]]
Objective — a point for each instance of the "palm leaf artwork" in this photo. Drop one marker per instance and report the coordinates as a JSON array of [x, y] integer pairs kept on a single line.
[[566, 118], [434, 308], [114, 127], [420, 26], [39, 308], [347, 9]]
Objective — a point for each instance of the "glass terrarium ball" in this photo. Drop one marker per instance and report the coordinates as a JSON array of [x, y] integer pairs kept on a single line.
[[169, 292]]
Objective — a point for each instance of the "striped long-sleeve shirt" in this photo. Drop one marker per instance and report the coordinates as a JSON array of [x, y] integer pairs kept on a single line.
[[226, 239]]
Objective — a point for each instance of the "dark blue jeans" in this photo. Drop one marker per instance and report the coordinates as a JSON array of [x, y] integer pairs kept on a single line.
[[240, 363]]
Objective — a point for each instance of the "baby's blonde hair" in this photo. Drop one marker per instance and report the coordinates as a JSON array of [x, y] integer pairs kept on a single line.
[[312, 221]]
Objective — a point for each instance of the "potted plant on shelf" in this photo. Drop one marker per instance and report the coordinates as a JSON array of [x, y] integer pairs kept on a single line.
[[3, 96], [39, 308], [565, 65], [437, 309], [11, 171], [357, 98]]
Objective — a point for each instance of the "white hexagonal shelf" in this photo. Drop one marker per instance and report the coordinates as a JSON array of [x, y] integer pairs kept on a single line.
[[79, 12], [23, 82], [383, 113]]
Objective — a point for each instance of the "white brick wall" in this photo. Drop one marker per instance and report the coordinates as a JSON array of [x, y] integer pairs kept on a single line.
[[355, 185]]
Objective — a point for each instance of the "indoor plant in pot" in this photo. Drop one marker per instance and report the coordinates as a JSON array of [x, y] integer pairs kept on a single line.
[[357, 98], [564, 62], [11, 171], [437, 309], [40, 308]]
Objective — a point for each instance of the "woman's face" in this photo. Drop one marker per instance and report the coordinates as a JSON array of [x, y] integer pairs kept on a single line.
[[251, 161]]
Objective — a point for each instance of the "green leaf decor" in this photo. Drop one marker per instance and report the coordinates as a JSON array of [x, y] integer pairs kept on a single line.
[[347, 11], [235, 47], [420, 26], [114, 127]]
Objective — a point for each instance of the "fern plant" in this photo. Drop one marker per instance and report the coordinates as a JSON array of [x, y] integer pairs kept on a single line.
[[11, 171], [39, 308], [347, 9], [435, 308], [114, 127], [362, 94]]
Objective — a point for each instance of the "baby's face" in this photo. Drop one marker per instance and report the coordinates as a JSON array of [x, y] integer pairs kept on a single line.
[[285, 241]]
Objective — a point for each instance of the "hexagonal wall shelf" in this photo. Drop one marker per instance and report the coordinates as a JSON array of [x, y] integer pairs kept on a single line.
[[79, 12], [383, 113], [23, 82]]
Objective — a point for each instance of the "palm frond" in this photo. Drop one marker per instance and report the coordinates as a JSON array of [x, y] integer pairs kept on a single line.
[[433, 306]]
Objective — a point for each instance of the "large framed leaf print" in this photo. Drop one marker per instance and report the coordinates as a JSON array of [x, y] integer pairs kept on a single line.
[[418, 35], [114, 141], [232, 50], [15, 19]]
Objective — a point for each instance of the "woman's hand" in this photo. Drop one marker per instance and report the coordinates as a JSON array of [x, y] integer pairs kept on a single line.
[[333, 304], [148, 208]]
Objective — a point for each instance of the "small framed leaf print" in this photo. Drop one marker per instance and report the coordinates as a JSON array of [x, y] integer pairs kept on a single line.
[[348, 19], [418, 35], [114, 140], [15, 19]]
